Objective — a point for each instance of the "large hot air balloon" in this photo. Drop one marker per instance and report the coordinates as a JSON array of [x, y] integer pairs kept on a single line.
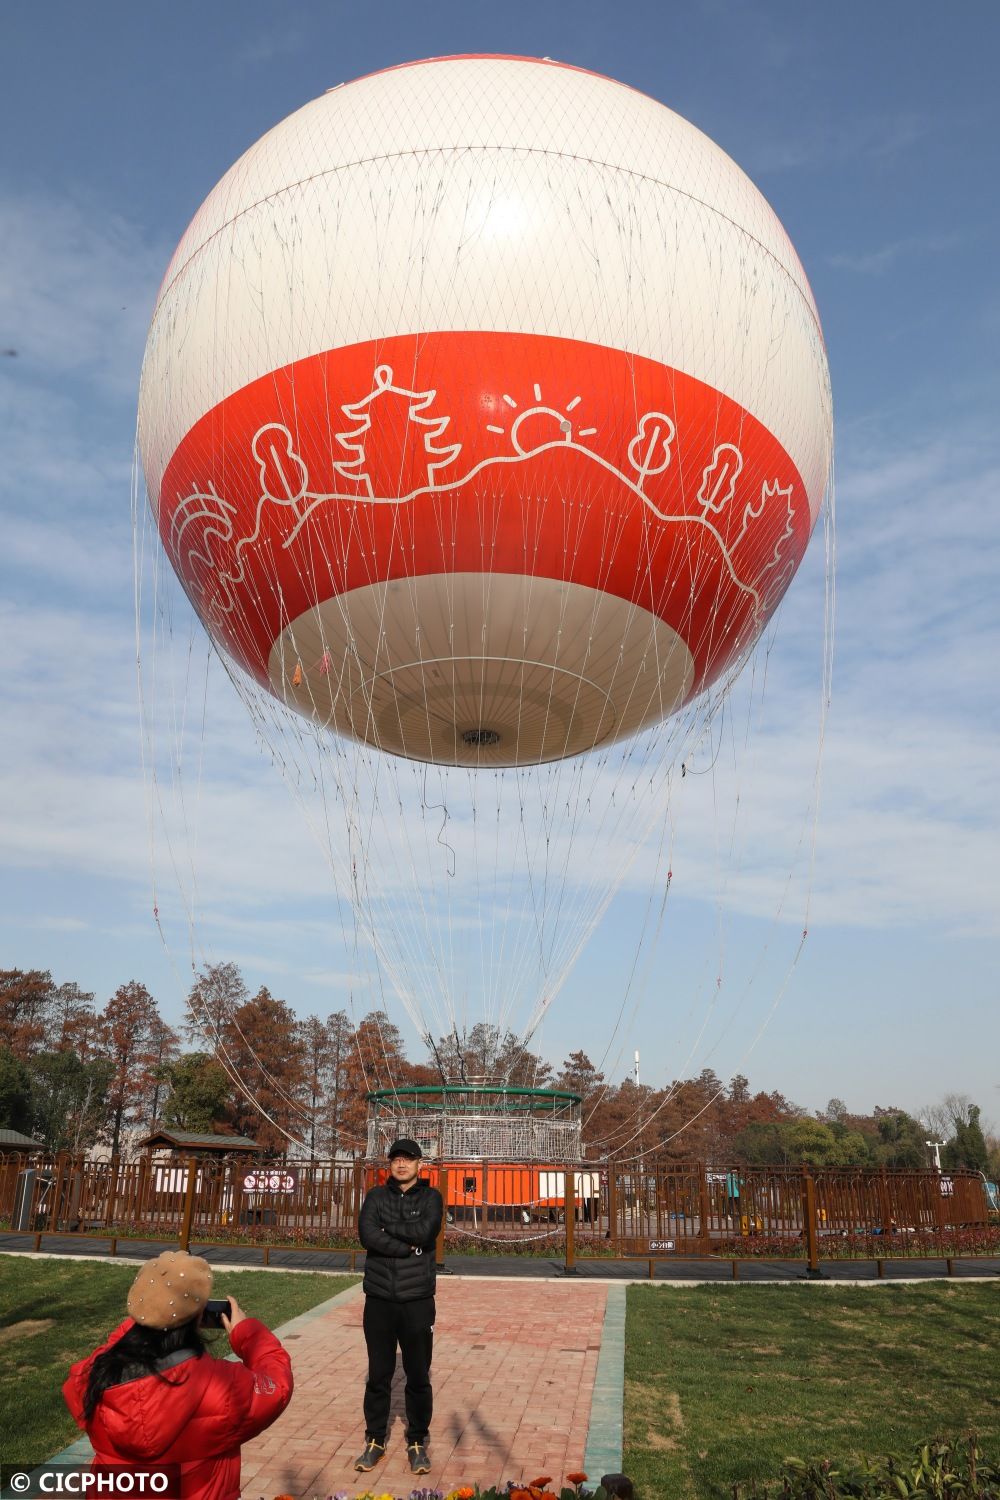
[[485, 411], [485, 417]]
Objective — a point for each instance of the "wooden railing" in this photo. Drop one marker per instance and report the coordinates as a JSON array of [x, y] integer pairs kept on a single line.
[[645, 1210]]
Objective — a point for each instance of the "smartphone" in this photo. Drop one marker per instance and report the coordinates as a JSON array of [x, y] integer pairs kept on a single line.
[[214, 1308]]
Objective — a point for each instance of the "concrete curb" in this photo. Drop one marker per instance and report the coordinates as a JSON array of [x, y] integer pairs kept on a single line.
[[610, 1281], [824, 1280], [605, 1438]]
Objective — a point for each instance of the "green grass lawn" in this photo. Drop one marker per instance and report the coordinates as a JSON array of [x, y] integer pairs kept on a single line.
[[53, 1312], [722, 1383]]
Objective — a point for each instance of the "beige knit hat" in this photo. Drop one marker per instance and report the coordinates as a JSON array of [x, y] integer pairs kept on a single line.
[[170, 1289]]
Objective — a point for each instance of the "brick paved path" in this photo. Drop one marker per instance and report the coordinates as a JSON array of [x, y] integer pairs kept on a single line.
[[513, 1373]]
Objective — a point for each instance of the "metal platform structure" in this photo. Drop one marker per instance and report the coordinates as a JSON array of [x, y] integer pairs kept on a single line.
[[478, 1122]]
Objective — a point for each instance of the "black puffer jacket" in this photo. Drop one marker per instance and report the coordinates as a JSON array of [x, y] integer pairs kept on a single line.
[[399, 1231]]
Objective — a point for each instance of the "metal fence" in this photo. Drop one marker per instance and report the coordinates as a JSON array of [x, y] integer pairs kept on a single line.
[[585, 1209]]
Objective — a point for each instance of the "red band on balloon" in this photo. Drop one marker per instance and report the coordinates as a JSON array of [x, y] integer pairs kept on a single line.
[[493, 453]]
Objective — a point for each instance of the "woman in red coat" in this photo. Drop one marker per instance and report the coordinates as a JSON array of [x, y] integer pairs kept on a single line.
[[153, 1395]]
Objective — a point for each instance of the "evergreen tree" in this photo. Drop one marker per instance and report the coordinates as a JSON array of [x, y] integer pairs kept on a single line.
[[899, 1141], [198, 1094], [69, 1099], [967, 1147], [15, 1092]]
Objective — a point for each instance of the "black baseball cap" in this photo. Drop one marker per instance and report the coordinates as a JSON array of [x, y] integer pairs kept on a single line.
[[405, 1147]]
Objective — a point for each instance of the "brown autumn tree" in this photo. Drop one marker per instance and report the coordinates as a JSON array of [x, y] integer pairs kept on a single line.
[[267, 1060], [376, 1059], [488, 1054], [71, 1020], [579, 1075], [624, 1121], [129, 1025], [25, 1003], [689, 1120], [163, 1048]]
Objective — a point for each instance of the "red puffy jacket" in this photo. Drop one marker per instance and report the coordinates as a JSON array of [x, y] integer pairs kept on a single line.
[[196, 1414]]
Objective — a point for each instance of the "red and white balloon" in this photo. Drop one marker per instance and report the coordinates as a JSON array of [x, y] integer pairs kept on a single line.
[[485, 411]]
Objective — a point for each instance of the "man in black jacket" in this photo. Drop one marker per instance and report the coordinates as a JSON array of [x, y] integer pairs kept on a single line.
[[398, 1226]]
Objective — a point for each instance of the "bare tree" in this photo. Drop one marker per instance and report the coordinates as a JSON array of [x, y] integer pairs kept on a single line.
[[217, 993]]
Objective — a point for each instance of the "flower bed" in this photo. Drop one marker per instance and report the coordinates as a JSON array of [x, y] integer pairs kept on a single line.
[[535, 1489], [903, 1243]]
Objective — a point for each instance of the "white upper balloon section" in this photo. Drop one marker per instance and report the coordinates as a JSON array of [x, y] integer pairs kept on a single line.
[[488, 193]]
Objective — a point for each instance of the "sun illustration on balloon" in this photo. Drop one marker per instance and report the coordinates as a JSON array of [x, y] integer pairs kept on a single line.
[[543, 415]]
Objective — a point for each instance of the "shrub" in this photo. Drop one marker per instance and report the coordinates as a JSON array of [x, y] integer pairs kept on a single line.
[[940, 1470]]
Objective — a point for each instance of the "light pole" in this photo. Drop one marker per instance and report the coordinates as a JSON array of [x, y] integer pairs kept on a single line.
[[935, 1146]]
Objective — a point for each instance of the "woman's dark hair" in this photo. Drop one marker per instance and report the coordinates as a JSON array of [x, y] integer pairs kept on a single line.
[[135, 1354]]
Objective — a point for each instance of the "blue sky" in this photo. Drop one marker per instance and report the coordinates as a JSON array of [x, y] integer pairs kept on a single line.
[[873, 132]]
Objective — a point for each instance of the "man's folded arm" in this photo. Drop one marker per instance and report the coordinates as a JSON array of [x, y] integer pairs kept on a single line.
[[423, 1231], [374, 1236]]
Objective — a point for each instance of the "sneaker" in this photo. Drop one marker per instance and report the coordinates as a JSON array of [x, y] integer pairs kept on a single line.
[[419, 1462], [366, 1461]]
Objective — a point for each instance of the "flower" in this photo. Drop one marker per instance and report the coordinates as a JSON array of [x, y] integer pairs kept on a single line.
[[539, 1484], [576, 1477]]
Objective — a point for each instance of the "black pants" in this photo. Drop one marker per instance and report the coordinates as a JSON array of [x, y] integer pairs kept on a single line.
[[411, 1326]]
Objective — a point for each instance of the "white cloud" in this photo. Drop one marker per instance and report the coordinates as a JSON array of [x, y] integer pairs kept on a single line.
[[76, 291], [90, 556], [56, 924], [267, 47], [877, 262], [877, 139]]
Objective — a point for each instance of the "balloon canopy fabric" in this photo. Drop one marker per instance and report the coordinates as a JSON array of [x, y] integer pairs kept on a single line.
[[485, 412]]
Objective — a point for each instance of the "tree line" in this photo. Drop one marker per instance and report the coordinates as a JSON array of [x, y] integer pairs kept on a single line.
[[74, 1075]]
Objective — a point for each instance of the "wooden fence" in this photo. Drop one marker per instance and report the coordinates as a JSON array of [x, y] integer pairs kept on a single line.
[[648, 1211]]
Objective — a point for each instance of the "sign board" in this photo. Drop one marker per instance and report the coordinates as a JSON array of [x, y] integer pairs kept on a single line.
[[279, 1181], [552, 1186], [657, 1245], [171, 1179]]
